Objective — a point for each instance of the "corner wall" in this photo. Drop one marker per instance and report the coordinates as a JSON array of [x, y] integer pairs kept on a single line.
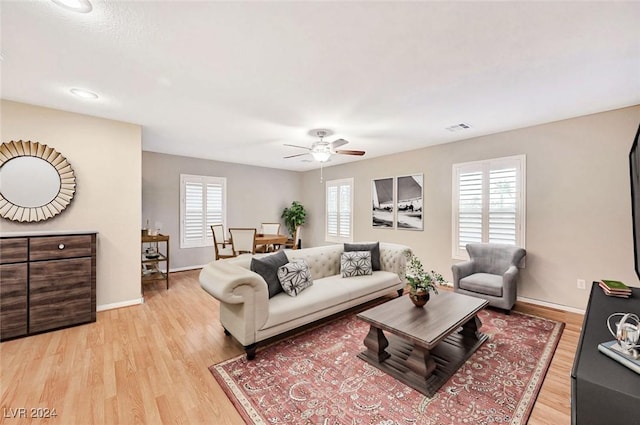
[[106, 158], [578, 201]]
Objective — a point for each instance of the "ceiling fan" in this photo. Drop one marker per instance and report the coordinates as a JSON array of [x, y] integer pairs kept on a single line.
[[321, 151]]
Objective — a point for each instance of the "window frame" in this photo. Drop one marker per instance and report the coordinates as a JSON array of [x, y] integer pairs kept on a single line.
[[338, 183], [486, 166], [207, 239]]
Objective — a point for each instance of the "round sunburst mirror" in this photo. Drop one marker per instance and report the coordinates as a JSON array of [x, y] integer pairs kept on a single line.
[[36, 181]]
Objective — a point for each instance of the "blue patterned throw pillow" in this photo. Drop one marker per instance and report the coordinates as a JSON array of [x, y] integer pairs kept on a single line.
[[295, 277], [355, 263]]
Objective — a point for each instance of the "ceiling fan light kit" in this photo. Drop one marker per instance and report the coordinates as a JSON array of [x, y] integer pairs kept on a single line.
[[321, 151], [321, 156]]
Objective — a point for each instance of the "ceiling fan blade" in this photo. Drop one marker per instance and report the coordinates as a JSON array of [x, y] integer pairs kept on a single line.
[[337, 143], [350, 152], [296, 146], [293, 156]]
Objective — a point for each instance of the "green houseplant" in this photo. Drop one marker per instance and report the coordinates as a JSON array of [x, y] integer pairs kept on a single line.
[[294, 216], [420, 281]]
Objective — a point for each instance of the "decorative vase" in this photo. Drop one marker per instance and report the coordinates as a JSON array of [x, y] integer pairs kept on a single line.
[[419, 298]]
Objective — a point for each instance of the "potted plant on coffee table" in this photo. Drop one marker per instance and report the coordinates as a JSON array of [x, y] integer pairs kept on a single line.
[[421, 283]]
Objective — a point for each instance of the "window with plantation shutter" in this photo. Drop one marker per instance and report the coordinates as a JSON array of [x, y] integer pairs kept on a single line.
[[488, 203], [339, 210], [202, 203]]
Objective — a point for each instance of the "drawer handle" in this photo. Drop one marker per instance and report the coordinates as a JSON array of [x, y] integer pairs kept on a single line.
[[61, 246]]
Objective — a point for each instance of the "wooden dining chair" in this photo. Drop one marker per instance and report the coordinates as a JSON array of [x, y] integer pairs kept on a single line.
[[293, 243], [221, 248], [268, 229], [243, 240]]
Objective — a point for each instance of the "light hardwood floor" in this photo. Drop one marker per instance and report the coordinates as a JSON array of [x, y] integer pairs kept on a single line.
[[147, 364]]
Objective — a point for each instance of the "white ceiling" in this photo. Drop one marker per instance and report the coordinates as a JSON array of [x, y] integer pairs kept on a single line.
[[234, 81]]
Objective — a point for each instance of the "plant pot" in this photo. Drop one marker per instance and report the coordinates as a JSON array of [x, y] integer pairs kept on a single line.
[[419, 298]]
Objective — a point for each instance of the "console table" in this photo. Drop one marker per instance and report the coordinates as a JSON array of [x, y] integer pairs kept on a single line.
[[602, 390]]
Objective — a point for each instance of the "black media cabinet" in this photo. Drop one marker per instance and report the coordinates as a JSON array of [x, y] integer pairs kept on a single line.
[[602, 390]]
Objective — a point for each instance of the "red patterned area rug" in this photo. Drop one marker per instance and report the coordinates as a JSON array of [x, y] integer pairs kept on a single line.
[[316, 378]]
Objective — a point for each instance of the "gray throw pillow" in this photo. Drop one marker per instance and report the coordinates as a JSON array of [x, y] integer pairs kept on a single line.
[[355, 263], [374, 248], [267, 267], [295, 277]]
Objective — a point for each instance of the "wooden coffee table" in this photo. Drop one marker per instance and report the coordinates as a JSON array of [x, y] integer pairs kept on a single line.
[[424, 346]]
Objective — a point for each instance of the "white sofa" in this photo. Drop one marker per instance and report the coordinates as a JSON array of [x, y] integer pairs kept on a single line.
[[247, 312]]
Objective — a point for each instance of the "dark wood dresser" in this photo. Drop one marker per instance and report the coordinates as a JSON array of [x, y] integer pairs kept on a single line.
[[47, 281]]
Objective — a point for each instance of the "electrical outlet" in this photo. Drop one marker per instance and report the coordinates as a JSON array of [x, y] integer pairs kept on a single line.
[[582, 284]]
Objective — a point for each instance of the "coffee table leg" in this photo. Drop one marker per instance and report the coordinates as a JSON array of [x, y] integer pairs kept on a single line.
[[470, 329], [421, 362], [376, 343]]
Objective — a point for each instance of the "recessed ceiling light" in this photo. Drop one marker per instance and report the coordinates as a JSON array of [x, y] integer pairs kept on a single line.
[[81, 6], [85, 94]]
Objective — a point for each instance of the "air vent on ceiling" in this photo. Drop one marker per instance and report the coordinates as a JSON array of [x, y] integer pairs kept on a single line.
[[458, 127]]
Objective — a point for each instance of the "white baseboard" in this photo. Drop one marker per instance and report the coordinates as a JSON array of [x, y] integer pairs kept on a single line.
[[140, 300], [551, 305], [538, 302], [183, 269], [120, 304]]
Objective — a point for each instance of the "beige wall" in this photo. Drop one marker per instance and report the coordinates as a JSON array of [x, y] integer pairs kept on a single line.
[[578, 201], [105, 156], [254, 195]]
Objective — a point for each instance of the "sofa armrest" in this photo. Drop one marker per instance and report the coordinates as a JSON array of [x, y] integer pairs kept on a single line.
[[221, 280], [393, 258], [233, 284], [460, 271]]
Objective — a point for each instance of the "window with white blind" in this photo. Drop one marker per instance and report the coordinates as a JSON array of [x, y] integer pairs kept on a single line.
[[203, 202], [339, 210], [488, 203]]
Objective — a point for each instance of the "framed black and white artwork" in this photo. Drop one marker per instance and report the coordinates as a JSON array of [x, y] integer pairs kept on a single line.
[[382, 203], [409, 202]]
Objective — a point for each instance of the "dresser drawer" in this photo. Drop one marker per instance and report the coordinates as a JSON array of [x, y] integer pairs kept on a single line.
[[56, 247], [13, 250]]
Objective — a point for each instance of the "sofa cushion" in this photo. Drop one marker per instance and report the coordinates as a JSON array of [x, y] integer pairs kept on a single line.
[[483, 283], [267, 267], [355, 263], [374, 248], [361, 286], [295, 277], [325, 294]]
